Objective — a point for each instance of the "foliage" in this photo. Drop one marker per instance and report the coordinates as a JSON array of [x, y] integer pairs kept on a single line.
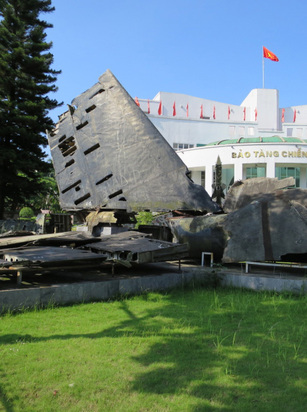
[[143, 218], [189, 350], [26, 80], [26, 213], [48, 197]]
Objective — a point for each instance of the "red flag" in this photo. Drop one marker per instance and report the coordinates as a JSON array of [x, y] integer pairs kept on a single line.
[[160, 109], [269, 55], [228, 112], [174, 109], [256, 114], [137, 101], [244, 113], [148, 106], [188, 110], [213, 112], [201, 112], [283, 115], [294, 116]]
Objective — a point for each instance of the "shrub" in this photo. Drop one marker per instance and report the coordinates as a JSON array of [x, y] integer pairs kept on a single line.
[[26, 213], [143, 218]]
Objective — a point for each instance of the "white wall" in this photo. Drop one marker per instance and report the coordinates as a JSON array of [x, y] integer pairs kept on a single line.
[[267, 103], [193, 130], [239, 156]]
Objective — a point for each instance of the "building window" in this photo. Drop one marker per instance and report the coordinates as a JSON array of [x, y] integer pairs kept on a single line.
[[255, 171], [203, 178], [232, 131], [181, 146], [299, 132], [228, 177], [251, 131], [284, 172], [289, 132], [242, 131]]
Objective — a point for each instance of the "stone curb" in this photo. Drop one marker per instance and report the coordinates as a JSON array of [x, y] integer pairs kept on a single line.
[[73, 293]]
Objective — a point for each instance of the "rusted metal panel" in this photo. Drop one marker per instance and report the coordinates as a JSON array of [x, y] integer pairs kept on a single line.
[[108, 155], [50, 256], [125, 248], [53, 239], [135, 247]]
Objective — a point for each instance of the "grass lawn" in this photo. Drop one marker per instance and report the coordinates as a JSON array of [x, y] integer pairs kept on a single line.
[[188, 350]]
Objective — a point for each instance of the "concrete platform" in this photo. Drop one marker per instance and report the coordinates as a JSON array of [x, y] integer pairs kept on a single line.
[[70, 288]]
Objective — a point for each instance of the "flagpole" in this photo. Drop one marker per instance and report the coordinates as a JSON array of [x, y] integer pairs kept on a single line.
[[262, 71]]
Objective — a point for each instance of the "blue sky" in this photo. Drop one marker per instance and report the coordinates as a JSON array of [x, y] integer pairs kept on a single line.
[[210, 49]]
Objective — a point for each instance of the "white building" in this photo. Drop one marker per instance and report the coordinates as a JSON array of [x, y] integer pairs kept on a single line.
[[257, 138]]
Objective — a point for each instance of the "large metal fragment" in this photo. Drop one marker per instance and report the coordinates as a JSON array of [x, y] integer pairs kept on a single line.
[[244, 192], [82, 251], [201, 234], [135, 247], [52, 239], [271, 228], [49, 257], [108, 155]]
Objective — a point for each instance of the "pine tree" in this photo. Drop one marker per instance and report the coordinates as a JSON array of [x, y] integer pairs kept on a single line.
[[26, 80]]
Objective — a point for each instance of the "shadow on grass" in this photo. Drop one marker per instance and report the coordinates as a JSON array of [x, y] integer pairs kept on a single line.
[[5, 402], [218, 349]]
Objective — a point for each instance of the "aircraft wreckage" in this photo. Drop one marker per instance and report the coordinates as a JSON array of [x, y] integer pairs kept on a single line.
[[78, 251], [108, 156], [261, 222]]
